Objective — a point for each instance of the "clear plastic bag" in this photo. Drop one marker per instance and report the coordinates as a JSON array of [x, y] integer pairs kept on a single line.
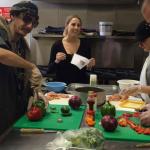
[[81, 139]]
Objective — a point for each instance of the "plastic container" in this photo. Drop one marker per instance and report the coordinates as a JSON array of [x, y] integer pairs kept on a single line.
[[93, 79], [105, 28], [55, 86], [126, 83]]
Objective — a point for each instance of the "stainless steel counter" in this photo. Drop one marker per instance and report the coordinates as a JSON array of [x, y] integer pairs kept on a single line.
[[17, 141]]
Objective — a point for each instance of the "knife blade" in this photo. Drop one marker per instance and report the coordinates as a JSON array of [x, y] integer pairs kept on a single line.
[[38, 131]]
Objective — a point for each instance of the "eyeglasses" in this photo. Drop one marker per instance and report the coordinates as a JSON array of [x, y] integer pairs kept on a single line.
[[28, 18]]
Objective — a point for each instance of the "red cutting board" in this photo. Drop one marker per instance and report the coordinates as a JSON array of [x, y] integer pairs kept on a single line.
[[49, 121], [121, 133]]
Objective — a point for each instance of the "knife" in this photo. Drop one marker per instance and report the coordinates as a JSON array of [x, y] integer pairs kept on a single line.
[[143, 145], [38, 131]]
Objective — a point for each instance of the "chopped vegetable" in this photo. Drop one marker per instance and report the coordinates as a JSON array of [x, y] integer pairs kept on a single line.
[[122, 122]]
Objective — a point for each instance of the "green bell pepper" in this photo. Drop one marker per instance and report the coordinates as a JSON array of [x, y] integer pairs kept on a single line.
[[108, 109]]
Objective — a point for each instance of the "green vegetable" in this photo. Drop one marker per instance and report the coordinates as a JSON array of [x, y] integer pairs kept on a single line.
[[108, 109], [90, 138], [53, 109], [41, 104], [65, 109]]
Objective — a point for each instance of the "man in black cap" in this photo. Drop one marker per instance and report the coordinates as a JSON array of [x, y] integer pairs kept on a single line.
[[142, 34], [14, 80]]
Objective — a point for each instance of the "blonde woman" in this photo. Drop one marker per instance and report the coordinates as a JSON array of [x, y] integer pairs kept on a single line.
[[63, 50]]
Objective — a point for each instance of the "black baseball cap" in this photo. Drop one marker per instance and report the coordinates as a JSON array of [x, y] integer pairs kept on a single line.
[[25, 7], [142, 31]]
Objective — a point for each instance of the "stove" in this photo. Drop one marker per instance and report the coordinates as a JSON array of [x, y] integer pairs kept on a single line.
[[105, 75]]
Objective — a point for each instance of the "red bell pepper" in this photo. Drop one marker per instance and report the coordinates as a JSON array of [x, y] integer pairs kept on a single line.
[[35, 113]]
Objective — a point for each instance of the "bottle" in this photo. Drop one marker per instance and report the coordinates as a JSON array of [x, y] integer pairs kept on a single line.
[[93, 79], [91, 102], [93, 95]]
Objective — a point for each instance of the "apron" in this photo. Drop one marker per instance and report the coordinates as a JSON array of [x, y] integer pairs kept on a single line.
[[143, 80]]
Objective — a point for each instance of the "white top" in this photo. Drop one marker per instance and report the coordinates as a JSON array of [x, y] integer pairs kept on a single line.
[[143, 80]]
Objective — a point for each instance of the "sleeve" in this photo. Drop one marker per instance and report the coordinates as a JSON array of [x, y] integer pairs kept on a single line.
[[52, 65], [148, 75]]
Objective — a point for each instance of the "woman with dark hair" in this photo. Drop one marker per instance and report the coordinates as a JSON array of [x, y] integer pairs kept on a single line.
[[63, 50], [143, 37]]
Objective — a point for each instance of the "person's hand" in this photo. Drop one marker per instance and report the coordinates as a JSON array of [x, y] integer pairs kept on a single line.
[[133, 90], [40, 95], [60, 57], [146, 107], [145, 118], [91, 63], [37, 95], [117, 97], [36, 78]]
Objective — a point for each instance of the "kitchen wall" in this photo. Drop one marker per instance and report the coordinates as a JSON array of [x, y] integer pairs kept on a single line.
[[124, 18], [8, 3]]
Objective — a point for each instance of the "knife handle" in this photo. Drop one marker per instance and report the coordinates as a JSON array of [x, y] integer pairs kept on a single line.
[[23, 130], [143, 145]]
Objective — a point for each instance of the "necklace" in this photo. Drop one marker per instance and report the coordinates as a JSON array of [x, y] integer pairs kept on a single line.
[[71, 47]]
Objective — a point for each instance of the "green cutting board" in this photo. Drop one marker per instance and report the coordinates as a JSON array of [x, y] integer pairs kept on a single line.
[[49, 121], [122, 133]]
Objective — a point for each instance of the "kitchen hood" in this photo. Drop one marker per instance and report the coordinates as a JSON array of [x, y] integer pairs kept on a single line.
[[100, 2]]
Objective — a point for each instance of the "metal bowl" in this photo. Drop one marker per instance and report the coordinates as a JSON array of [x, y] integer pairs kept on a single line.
[[82, 92]]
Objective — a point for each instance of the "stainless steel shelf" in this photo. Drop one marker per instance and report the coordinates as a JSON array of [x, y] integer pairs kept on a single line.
[[95, 2], [93, 37]]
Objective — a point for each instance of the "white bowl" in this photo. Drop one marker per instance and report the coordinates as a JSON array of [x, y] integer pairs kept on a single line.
[[126, 83]]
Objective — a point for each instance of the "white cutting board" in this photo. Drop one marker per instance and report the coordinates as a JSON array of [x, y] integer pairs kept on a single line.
[[117, 104]]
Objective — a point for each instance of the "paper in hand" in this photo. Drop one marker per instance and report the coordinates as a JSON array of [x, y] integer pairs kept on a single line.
[[79, 61]]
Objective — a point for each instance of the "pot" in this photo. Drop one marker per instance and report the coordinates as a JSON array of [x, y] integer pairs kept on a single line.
[[105, 28], [82, 92]]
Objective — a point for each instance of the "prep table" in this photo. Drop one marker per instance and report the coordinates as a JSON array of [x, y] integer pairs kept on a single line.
[[16, 141]]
